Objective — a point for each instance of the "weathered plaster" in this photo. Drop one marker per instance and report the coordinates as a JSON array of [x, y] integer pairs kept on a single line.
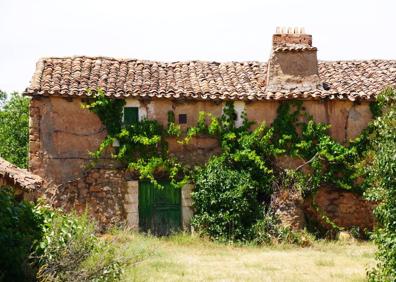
[[359, 116], [262, 111], [62, 134], [317, 109], [291, 70]]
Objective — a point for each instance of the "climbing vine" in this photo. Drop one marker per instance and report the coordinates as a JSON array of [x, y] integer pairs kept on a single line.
[[382, 174], [108, 110], [252, 153], [140, 146], [245, 154]]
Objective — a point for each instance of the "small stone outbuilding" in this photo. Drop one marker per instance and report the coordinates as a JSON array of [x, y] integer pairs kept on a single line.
[[24, 183], [62, 133]]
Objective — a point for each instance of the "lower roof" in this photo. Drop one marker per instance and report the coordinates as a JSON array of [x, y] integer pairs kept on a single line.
[[72, 76], [19, 177]]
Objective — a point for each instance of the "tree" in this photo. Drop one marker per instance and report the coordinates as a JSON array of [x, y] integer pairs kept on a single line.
[[14, 128], [3, 97], [382, 173]]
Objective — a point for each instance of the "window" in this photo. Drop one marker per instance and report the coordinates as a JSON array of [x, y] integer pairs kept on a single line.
[[182, 118], [131, 115]]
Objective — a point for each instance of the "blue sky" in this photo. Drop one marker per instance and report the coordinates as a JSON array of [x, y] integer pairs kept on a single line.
[[174, 30]]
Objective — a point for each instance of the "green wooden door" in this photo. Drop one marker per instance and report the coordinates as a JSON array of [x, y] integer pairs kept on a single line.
[[159, 209]]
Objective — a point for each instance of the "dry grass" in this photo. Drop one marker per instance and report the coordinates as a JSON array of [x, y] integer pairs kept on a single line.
[[186, 258]]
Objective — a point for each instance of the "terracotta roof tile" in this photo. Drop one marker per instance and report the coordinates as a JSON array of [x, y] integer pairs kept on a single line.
[[203, 80], [294, 47], [18, 177]]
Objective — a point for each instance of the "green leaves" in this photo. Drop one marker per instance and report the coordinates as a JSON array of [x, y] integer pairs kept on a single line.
[[70, 251], [14, 128], [108, 110], [230, 188], [141, 145], [226, 201], [382, 173], [246, 154], [20, 228]]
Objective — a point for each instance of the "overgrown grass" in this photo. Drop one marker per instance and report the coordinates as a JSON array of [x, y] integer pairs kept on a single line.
[[183, 257]]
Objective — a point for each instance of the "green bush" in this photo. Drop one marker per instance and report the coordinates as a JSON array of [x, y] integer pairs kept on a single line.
[[383, 178], [39, 243], [20, 228], [70, 250], [226, 201], [14, 128]]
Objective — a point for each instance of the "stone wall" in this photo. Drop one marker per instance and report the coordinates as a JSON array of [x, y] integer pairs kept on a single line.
[[110, 197], [62, 134], [326, 207], [101, 191], [345, 209], [287, 205]]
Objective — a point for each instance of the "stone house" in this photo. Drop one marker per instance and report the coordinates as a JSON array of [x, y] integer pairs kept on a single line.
[[62, 133]]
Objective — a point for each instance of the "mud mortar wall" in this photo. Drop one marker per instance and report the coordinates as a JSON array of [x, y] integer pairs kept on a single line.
[[62, 134]]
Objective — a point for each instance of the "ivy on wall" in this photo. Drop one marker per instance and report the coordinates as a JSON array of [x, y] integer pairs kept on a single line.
[[140, 146], [331, 162], [246, 154], [381, 168]]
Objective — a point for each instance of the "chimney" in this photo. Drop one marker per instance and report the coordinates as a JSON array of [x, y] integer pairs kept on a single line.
[[293, 65]]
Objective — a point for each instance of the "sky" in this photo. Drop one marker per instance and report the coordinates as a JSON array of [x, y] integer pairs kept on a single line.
[[179, 30]]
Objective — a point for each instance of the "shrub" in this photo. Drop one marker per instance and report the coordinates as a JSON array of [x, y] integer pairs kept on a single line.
[[70, 251], [269, 230], [227, 202], [39, 243], [14, 128], [383, 178], [20, 228]]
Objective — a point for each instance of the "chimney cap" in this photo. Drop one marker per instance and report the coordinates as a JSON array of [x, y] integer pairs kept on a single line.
[[291, 36], [290, 30]]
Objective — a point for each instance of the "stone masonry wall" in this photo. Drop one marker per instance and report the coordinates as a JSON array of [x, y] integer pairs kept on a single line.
[[62, 134], [35, 151], [345, 209], [102, 191]]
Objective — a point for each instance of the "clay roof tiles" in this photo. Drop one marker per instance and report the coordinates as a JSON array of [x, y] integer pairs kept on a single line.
[[72, 76], [19, 177]]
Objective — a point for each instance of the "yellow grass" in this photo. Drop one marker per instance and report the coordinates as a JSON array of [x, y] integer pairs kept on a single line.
[[188, 258]]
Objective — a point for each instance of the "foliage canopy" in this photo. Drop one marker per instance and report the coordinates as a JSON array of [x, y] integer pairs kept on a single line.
[[382, 174], [14, 128]]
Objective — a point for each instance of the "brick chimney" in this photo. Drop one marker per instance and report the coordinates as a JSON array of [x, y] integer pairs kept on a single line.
[[293, 64]]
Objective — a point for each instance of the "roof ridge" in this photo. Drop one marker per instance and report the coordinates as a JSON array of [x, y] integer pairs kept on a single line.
[[357, 60], [123, 59]]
